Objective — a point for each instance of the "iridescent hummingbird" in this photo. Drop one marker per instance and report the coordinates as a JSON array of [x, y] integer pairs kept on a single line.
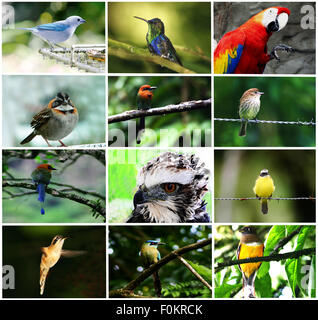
[[51, 255], [158, 43], [144, 98], [150, 255]]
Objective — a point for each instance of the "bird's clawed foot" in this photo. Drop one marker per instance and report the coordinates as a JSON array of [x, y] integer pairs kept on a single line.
[[280, 47], [62, 144]]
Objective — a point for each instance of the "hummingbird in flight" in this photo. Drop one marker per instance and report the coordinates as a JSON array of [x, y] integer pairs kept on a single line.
[[144, 98], [158, 43], [51, 255]]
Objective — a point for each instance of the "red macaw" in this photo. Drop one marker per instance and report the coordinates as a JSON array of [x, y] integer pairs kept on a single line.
[[244, 50]]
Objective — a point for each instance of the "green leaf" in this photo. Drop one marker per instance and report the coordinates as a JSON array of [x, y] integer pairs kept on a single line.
[[226, 290], [203, 271], [263, 286]]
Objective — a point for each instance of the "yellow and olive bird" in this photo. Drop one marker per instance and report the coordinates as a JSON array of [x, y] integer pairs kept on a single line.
[[150, 255], [264, 188], [250, 246]]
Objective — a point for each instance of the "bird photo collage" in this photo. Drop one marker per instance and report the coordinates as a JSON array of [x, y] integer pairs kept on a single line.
[[146, 157]]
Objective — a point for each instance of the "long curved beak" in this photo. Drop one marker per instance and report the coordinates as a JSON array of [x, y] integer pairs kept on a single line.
[[141, 19]]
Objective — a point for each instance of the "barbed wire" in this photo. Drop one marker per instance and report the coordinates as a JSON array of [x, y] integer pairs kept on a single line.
[[256, 198], [300, 123]]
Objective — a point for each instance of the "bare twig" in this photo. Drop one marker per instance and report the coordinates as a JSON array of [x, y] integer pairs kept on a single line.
[[183, 106], [195, 273]]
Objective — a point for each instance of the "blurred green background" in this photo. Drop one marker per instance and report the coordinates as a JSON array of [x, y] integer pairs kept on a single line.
[[293, 172], [20, 47], [19, 107], [74, 168], [284, 99], [123, 167], [287, 279], [187, 24], [78, 277], [122, 93], [176, 280]]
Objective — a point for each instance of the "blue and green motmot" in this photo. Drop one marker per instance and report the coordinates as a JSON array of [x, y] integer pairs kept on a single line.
[[41, 176], [150, 254], [144, 98]]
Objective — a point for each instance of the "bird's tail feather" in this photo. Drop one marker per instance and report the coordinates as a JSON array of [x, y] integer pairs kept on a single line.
[[41, 190], [248, 286], [140, 128], [28, 138], [264, 206], [157, 283], [43, 275], [242, 132]]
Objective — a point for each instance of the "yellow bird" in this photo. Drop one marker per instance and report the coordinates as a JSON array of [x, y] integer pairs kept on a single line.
[[264, 188]]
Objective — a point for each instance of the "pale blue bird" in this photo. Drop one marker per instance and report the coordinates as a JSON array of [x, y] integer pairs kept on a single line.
[[58, 31]]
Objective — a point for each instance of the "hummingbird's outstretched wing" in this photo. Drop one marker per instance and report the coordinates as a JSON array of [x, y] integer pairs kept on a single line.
[[72, 253]]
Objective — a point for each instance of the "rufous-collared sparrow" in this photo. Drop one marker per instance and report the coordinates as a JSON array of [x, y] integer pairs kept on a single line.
[[56, 121]]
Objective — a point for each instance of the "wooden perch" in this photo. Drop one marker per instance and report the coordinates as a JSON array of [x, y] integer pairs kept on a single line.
[[173, 108]]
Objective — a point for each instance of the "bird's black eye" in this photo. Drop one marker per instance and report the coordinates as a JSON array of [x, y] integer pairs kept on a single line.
[[78, 19], [169, 187]]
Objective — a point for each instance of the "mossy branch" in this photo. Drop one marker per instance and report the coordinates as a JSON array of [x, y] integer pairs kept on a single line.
[[129, 52]]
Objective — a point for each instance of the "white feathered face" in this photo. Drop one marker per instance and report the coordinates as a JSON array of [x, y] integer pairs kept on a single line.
[[273, 21], [171, 186]]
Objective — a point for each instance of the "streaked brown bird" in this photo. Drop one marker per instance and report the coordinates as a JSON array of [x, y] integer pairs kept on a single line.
[[250, 103]]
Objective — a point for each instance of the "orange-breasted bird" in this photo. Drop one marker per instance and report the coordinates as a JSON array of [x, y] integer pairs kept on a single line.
[[144, 98], [41, 176], [56, 121], [250, 246]]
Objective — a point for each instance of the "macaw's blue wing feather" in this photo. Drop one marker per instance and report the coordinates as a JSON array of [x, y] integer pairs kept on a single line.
[[234, 60], [53, 27]]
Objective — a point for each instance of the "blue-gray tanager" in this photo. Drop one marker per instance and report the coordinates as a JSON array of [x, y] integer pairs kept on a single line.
[[58, 31]]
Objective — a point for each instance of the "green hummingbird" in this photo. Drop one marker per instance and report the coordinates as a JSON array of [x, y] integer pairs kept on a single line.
[[158, 43]]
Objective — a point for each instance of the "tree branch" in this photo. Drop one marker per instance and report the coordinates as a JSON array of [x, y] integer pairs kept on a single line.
[[156, 266], [272, 257], [183, 106], [129, 52], [95, 205], [195, 273]]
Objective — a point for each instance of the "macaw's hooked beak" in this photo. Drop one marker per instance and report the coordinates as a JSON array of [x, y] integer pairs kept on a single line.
[[141, 19]]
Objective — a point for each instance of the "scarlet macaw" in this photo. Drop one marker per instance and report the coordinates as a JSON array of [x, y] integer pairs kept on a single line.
[[244, 50]]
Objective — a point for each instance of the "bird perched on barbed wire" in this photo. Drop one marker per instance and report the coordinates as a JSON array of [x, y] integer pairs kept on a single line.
[[171, 189], [150, 254], [41, 176], [51, 255], [56, 32], [250, 246], [158, 43], [264, 188], [56, 121], [250, 104], [244, 50], [144, 99]]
